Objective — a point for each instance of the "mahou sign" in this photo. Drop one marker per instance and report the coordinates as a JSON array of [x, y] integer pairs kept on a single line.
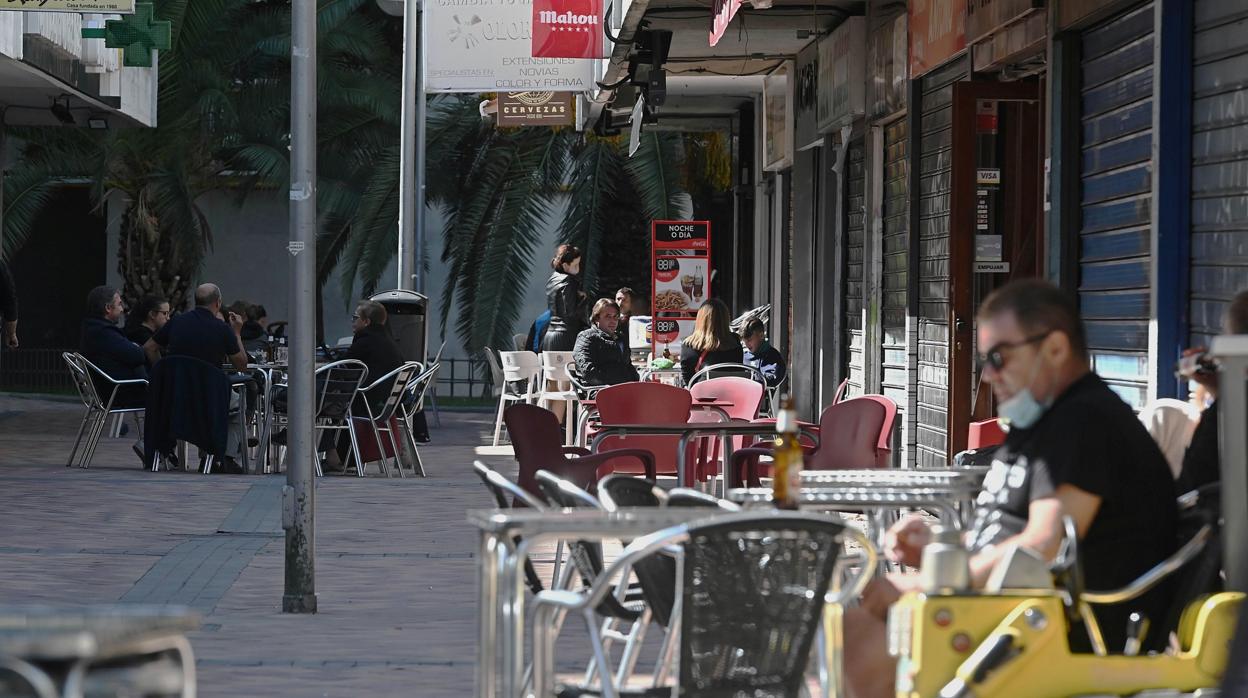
[[681, 280], [567, 29]]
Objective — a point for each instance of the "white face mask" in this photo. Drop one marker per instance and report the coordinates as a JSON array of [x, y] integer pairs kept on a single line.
[[1023, 410]]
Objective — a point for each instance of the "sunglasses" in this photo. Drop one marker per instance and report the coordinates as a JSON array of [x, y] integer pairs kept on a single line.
[[995, 357]]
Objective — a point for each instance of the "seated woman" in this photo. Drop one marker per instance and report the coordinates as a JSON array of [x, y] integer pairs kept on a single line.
[[712, 341], [761, 355], [597, 352]]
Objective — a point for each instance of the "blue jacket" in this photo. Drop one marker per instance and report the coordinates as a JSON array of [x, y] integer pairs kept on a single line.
[[769, 361], [104, 345]]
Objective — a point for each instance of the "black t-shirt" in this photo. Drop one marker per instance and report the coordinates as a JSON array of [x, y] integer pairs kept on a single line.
[[199, 334], [1201, 464], [1090, 439]]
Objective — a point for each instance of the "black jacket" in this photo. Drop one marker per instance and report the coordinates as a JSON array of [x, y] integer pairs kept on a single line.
[[104, 345], [567, 313], [376, 348], [599, 359], [691, 360], [187, 399]]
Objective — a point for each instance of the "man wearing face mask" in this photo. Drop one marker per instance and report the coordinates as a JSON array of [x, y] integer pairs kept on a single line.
[[1074, 448]]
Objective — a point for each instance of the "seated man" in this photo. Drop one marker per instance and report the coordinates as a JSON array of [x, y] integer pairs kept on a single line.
[[104, 345], [1074, 449], [760, 354], [202, 335]]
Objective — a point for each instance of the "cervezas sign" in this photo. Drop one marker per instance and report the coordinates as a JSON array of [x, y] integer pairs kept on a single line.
[[567, 29], [535, 109]]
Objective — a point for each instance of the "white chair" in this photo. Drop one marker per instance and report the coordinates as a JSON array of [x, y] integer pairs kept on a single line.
[[519, 368], [1171, 422], [555, 370]]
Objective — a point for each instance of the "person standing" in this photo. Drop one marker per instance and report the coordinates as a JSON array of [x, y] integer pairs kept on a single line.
[[598, 357], [565, 299], [8, 306], [712, 342]]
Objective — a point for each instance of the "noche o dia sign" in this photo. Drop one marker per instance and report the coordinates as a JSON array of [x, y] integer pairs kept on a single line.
[[568, 29]]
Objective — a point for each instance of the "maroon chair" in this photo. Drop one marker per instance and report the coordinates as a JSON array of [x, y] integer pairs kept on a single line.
[[645, 403], [746, 396], [850, 437], [538, 443]]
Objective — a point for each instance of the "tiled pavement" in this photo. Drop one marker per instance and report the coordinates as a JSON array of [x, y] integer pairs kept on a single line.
[[395, 574]]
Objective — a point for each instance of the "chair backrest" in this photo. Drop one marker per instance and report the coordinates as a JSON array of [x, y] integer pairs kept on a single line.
[[419, 386], [337, 384], [555, 365], [745, 395], [519, 365], [496, 371], [617, 491], [694, 499], [537, 442], [885, 444], [849, 435], [781, 571], [506, 493], [82, 380], [1170, 423], [727, 369], [644, 403], [517, 341], [840, 391], [398, 380], [565, 493]]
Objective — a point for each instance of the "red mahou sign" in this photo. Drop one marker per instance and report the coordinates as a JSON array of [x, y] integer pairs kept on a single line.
[[567, 29]]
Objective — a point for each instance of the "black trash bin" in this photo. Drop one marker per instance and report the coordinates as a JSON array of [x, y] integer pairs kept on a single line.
[[407, 315]]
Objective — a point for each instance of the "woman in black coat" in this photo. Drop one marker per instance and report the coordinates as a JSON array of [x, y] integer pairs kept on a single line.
[[565, 299], [597, 353]]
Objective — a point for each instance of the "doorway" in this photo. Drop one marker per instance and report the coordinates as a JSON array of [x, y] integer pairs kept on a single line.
[[996, 228]]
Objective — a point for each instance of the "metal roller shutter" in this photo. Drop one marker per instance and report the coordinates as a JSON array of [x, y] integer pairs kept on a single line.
[[1116, 198], [935, 168], [1219, 242], [896, 262], [855, 188]]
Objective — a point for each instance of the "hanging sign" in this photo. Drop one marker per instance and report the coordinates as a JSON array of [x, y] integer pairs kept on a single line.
[[778, 118], [487, 46], [722, 12], [568, 29], [937, 33], [805, 96], [844, 52], [535, 109], [108, 7], [681, 278]]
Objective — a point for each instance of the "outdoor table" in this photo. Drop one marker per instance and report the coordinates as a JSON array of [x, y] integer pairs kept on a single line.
[[507, 537], [838, 498], [54, 649], [961, 484], [689, 431]]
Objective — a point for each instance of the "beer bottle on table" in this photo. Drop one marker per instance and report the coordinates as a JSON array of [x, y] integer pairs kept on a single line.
[[786, 466]]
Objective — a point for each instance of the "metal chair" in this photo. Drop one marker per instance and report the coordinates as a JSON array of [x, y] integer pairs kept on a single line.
[[508, 495], [433, 385], [691, 498], [385, 419], [519, 368], [412, 403], [88, 378], [720, 370], [745, 633], [623, 604], [337, 385]]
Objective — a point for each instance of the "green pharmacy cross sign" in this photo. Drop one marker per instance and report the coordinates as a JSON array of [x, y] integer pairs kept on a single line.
[[137, 35]]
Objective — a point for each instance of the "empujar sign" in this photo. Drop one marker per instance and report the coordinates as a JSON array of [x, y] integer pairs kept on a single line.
[[567, 29]]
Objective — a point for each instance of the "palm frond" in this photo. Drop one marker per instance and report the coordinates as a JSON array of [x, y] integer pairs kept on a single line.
[[656, 173]]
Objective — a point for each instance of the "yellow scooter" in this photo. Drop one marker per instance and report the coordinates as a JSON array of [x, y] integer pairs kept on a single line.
[[1011, 641]]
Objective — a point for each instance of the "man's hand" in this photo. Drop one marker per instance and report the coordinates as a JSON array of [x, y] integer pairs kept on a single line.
[[236, 323], [10, 334], [904, 542]]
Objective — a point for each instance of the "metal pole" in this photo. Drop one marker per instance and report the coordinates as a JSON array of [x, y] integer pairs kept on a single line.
[[411, 125], [298, 495], [419, 242], [1232, 354]]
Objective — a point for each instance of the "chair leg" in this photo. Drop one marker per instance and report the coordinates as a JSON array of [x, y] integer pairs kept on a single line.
[[94, 441], [82, 428], [568, 429], [419, 465], [603, 665], [498, 421], [208, 464], [355, 447], [398, 461], [632, 648]]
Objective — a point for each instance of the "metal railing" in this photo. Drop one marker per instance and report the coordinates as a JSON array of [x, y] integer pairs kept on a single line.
[[35, 371], [465, 378]]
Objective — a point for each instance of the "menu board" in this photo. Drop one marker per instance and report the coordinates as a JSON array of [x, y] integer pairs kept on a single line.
[[681, 281]]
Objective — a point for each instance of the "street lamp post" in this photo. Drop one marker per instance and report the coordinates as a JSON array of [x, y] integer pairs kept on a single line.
[[412, 151], [298, 495]]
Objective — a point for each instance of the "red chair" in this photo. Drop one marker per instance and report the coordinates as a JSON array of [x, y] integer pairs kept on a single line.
[[985, 434], [746, 396], [538, 444], [885, 448], [850, 435], [644, 403]]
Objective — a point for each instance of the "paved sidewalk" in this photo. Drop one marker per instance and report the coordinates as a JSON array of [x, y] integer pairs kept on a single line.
[[396, 572]]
